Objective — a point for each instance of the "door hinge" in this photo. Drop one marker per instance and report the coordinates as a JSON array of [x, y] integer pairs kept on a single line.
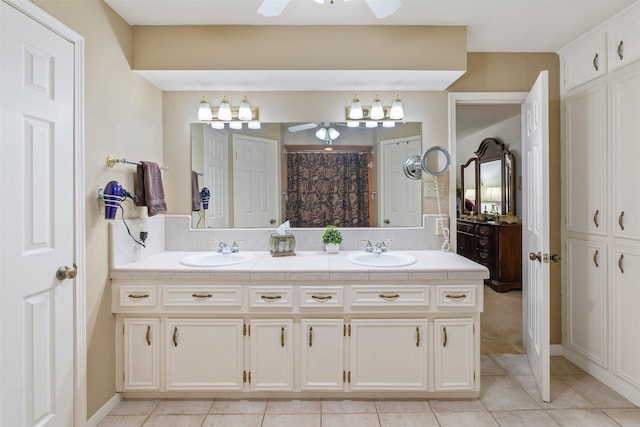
[[474, 329], [349, 377]]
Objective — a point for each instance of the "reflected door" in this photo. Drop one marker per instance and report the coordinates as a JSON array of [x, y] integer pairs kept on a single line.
[[216, 177]]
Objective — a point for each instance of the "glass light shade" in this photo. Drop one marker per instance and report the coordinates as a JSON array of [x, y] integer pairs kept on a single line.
[[388, 124], [244, 112], [355, 112], [224, 111], [321, 134], [397, 112], [371, 124], [353, 123], [333, 134], [204, 112], [254, 124], [235, 125], [217, 125], [377, 112]]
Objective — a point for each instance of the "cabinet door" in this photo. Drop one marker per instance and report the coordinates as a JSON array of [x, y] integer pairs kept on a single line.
[[453, 354], [322, 356], [586, 299], [624, 40], [271, 354], [141, 354], [204, 354], [388, 354], [586, 61], [625, 129], [626, 316], [585, 160]]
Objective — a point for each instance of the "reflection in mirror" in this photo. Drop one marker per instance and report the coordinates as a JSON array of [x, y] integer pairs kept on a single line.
[[469, 186], [491, 188], [259, 178]]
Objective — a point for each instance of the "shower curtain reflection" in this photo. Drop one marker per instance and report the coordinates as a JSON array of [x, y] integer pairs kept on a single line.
[[330, 187]]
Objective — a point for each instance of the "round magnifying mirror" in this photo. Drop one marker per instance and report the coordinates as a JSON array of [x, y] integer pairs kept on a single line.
[[411, 167], [435, 161]]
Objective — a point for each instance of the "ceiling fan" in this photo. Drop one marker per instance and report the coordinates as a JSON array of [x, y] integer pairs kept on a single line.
[[326, 132], [380, 8]]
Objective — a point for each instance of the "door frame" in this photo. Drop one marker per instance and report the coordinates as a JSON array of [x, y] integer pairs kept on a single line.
[[80, 323]]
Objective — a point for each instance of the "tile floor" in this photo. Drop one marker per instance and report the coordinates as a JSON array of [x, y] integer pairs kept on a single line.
[[509, 397]]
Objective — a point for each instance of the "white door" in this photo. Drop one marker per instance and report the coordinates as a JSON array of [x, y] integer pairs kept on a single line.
[[216, 177], [400, 201], [37, 223], [255, 182], [535, 231]]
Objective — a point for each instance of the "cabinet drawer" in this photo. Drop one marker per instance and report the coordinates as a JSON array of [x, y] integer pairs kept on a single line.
[[484, 230], [202, 296], [486, 243], [465, 228], [271, 296], [138, 296], [389, 296], [321, 296], [455, 296], [486, 257]]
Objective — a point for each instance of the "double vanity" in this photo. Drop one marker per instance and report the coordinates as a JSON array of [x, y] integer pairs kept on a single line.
[[345, 325]]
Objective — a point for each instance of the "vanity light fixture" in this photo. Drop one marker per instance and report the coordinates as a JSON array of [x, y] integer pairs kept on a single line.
[[204, 112], [355, 112], [244, 112], [388, 124], [224, 110], [353, 123], [225, 113], [254, 124], [396, 112], [235, 125], [370, 124], [377, 111], [217, 125]]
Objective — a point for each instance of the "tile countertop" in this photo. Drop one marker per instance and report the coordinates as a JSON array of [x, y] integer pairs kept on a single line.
[[305, 266]]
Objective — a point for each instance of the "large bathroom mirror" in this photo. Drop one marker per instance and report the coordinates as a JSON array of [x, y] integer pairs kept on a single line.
[[312, 174], [496, 175]]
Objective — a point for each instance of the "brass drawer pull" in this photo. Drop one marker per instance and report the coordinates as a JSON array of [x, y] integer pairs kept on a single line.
[[445, 339], [175, 336], [138, 296], [148, 335], [595, 258], [389, 297], [310, 336], [456, 297], [321, 298], [620, 266], [270, 298], [417, 336], [595, 218], [202, 296], [621, 220], [282, 336]]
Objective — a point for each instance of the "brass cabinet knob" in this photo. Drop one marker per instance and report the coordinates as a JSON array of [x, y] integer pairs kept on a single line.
[[65, 272]]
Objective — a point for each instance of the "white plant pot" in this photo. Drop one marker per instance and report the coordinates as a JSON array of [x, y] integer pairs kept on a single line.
[[332, 248]]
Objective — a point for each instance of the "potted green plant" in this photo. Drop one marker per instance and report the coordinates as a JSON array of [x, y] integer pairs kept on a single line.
[[332, 239]]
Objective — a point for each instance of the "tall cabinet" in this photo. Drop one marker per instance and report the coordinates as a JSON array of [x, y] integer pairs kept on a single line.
[[600, 83]]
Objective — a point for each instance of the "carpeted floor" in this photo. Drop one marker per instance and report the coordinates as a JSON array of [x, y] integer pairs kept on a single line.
[[501, 322]]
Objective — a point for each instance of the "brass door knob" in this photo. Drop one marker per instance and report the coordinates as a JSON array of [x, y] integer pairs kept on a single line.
[[555, 258], [534, 257], [65, 272], [386, 221]]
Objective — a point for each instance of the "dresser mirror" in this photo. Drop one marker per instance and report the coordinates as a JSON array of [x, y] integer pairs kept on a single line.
[[488, 182]]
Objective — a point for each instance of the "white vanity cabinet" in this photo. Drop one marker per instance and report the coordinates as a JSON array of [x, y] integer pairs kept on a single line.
[[204, 354], [322, 353], [141, 353], [272, 345], [388, 354], [453, 354]]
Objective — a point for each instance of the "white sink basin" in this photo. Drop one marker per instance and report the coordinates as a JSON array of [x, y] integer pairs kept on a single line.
[[386, 259], [216, 259]]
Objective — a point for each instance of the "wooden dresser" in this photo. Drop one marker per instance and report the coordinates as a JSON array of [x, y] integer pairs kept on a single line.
[[496, 246]]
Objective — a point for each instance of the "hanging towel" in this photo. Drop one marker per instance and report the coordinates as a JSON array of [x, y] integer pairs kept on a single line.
[[138, 187], [195, 192], [153, 189]]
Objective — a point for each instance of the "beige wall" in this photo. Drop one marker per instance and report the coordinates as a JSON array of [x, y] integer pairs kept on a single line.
[[515, 72], [123, 117]]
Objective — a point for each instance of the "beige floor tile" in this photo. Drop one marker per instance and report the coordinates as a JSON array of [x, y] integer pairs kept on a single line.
[[183, 407], [456, 405], [233, 421], [348, 407], [582, 418], [242, 407], [408, 420], [294, 407], [562, 366], [513, 364], [350, 420], [562, 395], [625, 417], [489, 367], [384, 406], [292, 420], [596, 392], [463, 419], [134, 407], [174, 421], [535, 418], [123, 421], [504, 394]]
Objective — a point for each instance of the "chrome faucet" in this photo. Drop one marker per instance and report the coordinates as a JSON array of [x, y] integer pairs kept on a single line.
[[368, 247], [234, 247], [378, 248], [223, 248]]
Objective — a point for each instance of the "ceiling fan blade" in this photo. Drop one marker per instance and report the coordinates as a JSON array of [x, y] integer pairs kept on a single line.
[[383, 8], [303, 126], [272, 7]]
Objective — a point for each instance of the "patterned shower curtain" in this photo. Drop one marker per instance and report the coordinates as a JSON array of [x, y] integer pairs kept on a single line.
[[327, 188]]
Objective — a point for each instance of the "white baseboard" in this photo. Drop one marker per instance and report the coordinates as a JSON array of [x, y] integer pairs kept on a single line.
[[104, 411], [556, 350]]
